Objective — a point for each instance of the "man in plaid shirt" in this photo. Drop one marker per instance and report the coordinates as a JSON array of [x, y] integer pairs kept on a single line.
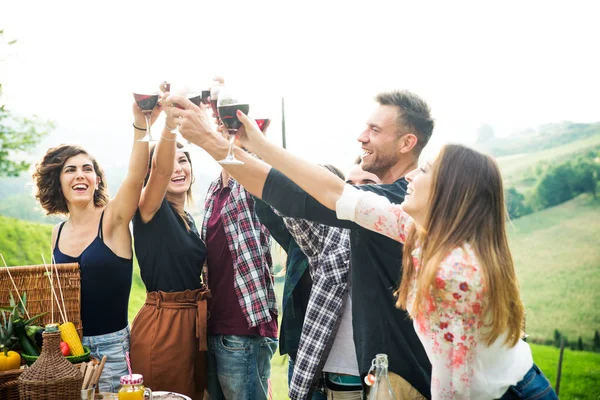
[[327, 342], [242, 322]]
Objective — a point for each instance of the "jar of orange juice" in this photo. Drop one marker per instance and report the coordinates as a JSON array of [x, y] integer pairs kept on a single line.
[[132, 388]]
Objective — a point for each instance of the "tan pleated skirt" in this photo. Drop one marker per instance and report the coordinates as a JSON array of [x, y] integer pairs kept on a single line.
[[169, 342]]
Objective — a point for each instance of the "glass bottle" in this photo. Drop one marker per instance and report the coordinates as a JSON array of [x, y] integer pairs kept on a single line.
[[132, 388], [382, 388]]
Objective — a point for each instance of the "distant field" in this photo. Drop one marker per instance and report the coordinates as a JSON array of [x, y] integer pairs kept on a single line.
[[557, 256], [514, 164]]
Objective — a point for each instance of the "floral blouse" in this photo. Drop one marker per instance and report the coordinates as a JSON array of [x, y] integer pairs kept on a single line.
[[451, 336]]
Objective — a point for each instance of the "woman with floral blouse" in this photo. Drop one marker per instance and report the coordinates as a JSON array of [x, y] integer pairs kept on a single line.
[[458, 279]]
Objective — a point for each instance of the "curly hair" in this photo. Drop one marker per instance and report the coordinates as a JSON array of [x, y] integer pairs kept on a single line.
[[47, 179]]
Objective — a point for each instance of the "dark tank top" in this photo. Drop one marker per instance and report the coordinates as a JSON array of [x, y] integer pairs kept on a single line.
[[170, 257], [105, 285]]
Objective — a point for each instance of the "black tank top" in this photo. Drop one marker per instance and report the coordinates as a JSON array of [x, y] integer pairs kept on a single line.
[[105, 285], [170, 257]]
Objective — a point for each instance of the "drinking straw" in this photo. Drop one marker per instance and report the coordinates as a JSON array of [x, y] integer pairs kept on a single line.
[[53, 292], [128, 363], [62, 298], [15, 286]]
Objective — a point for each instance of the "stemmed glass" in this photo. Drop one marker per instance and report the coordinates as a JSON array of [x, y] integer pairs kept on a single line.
[[214, 97], [193, 95], [146, 101], [228, 104]]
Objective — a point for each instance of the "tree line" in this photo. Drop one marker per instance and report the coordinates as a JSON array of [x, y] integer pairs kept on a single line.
[[556, 184]]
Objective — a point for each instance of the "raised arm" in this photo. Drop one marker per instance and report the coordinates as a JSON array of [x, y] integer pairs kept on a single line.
[[374, 212], [122, 208], [195, 126], [161, 172]]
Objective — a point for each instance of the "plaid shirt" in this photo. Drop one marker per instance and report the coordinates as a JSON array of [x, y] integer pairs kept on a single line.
[[249, 243], [298, 283], [328, 252]]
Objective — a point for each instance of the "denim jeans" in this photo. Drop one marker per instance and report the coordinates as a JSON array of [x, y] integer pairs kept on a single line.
[[113, 346], [533, 386], [239, 367], [317, 394]]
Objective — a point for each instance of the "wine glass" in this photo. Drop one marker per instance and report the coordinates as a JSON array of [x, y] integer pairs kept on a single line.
[[195, 96], [228, 105], [214, 97], [146, 101]]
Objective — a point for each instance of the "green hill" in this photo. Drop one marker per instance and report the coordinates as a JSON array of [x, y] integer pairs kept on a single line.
[[557, 257], [23, 243]]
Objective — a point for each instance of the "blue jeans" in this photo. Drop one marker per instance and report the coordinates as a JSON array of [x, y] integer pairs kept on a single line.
[[113, 346], [239, 367], [317, 394], [533, 386]]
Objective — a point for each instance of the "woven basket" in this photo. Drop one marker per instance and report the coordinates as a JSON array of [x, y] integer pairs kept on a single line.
[[51, 377], [9, 385], [9, 389], [33, 280]]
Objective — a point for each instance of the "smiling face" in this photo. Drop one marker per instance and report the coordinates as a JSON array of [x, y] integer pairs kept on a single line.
[[418, 192], [182, 175], [380, 141], [357, 176], [78, 180]]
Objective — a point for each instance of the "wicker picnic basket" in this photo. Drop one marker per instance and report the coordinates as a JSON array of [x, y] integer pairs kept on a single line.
[[51, 377], [32, 279]]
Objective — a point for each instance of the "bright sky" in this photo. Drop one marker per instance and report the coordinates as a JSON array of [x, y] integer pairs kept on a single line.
[[513, 65]]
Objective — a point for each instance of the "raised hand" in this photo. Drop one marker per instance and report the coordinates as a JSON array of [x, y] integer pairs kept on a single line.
[[249, 135], [194, 122]]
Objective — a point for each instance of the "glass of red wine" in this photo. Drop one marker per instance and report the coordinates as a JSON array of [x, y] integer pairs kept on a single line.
[[228, 105], [214, 97], [195, 96], [146, 102]]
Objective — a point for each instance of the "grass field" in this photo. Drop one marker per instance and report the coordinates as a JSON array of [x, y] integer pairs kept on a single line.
[[580, 371], [557, 256]]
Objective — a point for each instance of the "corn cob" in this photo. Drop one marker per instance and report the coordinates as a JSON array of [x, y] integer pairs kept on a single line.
[[69, 335]]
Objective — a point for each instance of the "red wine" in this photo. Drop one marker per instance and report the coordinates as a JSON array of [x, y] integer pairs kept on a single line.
[[146, 102], [262, 123], [196, 99], [206, 96], [228, 115]]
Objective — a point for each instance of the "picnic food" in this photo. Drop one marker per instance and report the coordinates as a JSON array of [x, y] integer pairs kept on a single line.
[[9, 360], [69, 335]]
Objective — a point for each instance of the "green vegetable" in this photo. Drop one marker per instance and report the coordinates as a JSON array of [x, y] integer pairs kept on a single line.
[[28, 347], [34, 332]]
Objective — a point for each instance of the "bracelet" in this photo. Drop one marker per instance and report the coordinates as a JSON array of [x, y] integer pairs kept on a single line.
[[167, 125], [139, 129], [173, 138]]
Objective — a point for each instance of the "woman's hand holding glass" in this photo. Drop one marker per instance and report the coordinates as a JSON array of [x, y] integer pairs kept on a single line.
[[249, 135], [139, 116]]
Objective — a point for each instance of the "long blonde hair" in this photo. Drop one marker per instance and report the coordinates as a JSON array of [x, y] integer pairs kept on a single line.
[[466, 205]]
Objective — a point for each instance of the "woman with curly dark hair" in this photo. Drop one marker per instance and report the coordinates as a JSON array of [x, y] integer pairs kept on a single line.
[[96, 235]]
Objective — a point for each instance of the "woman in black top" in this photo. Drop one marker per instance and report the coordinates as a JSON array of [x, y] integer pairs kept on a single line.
[[168, 337], [96, 235]]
